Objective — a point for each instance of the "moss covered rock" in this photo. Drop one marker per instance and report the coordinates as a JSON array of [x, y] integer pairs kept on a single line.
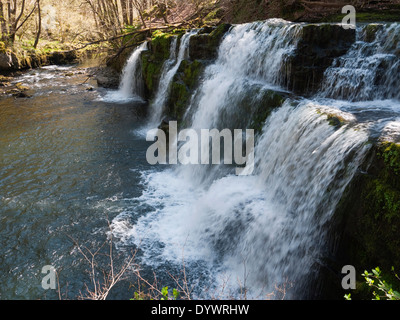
[[183, 86], [204, 46], [368, 217], [153, 60]]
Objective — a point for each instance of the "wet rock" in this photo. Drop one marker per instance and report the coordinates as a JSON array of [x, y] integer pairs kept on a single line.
[[5, 81], [318, 46], [21, 87], [20, 90], [12, 91], [5, 61], [62, 57], [367, 219], [23, 94], [106, 77], [204, 46]]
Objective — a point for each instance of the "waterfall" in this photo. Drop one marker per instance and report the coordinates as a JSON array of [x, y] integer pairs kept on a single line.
[[371, 68], [251, 56], [169, 70], [131, 84], [269, 228]]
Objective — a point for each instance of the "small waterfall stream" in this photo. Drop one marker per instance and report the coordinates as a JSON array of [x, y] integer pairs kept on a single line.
[[131, 85], [169, 70]]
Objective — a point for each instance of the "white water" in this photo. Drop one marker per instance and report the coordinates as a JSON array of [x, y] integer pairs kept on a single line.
[[370, 70], [250, 55], [169, 70], [131, 85], [269, 228]]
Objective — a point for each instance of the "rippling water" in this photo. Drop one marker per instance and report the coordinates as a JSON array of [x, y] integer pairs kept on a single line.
[[66, 161]]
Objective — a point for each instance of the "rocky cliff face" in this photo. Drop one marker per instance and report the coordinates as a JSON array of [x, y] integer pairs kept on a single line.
[[318, 46]]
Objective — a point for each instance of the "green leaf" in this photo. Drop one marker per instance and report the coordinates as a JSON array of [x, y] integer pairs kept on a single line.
[[396, 294], [347, 296], [376, 272], [175, 293], [164, 291]]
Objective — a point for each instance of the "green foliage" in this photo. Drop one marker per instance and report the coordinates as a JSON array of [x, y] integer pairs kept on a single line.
[[370, 16], [165, 295], [333, 119], [385, 200], [214, 16], [391, 156], [382, 289], [182, 87], [382, 286], [132, 28]]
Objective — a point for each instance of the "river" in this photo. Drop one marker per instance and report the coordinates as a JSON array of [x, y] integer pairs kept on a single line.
[[69, 163]]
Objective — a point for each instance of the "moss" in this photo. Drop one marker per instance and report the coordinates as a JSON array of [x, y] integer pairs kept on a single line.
[[191, 72], [371, 211], [390, 153], [333, 119], [268, 100], [204, 46], [161, 44], [370, 16], [369, 32], [151, 70], [153, 60], [214, 16], [383, 201], [219, 32], [183, 86], [180, 97]]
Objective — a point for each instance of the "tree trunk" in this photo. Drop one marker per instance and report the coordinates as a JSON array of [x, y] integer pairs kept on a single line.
[[3, 22], [130, 10], [125, 12], [13, 19], [39, 25]]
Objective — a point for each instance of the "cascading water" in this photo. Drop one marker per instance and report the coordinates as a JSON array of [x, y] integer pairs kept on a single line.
[[169, 70], [371, 68], [269, 228], [131, 86], [250, 58]]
